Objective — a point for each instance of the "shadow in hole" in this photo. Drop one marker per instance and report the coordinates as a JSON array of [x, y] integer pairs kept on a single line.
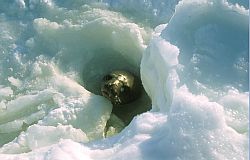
[[104, 61], [127, 112], [123, 114]]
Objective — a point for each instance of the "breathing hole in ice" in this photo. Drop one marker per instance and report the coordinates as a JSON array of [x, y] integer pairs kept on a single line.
[[98, 69]]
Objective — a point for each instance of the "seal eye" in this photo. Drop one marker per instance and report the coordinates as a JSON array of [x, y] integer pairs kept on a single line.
[[125, 90], [122, 89], [107, 77]]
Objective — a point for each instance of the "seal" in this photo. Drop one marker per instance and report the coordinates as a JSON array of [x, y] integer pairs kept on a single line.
[[121, 87]]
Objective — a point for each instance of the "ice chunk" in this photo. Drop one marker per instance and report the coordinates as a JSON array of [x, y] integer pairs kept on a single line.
[[15, 82], [5, 92], [40, 136]]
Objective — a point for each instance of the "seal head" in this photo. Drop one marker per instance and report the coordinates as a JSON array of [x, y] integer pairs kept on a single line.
[[121, 87]]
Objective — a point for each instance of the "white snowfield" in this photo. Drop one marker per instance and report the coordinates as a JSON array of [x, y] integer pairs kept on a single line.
[[192, 56]]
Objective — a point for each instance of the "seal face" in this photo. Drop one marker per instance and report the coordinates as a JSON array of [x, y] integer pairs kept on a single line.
[[121, 87]]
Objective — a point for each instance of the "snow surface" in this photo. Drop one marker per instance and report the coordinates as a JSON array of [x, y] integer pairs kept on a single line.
[[192, 57]]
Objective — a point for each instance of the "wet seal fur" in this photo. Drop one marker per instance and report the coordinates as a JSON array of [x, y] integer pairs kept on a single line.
[[128, 97], [121, 87]]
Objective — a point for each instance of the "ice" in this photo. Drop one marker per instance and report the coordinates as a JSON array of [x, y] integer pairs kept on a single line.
[[240, 2], [191, 55], [37, 137], [160, 66], [15, 82], [5, 92], [211, 43], [153, 12], [236, 110]]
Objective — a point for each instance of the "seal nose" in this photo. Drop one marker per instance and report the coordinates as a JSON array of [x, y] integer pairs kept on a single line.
[[106, 86], [107, 91]]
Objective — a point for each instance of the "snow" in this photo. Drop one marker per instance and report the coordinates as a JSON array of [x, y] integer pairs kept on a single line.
[[191, 55]]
